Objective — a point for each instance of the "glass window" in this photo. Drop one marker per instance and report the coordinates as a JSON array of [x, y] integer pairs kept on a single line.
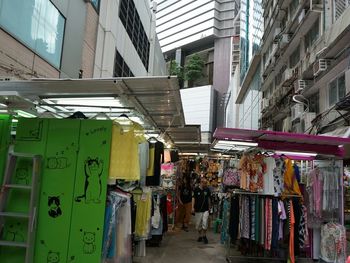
[[314, 103], [333, 92], [132, 23], [337, 89], [121, 69], [96, 4], [341, 87], [312, 35], [294, 58], [38, 25]]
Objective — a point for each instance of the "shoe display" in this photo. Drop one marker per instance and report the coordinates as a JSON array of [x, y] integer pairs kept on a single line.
[[205, 240], [200, 239]]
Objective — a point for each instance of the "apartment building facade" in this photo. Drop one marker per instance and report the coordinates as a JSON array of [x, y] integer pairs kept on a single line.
[[208, 28], [305, 65], [78, 39]]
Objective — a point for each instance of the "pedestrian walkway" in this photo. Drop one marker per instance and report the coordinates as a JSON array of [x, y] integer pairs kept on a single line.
[[181, 246]]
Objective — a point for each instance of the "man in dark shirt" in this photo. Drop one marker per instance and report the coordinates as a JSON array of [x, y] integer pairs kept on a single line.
[[201, 206]]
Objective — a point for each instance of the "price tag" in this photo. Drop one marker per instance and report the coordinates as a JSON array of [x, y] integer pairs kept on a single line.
[[143, 197]]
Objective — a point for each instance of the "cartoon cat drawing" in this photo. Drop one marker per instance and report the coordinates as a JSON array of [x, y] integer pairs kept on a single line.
[[54, 206], [93, 172], [53, 257], [14, 232], [89, 243], [22, 176]]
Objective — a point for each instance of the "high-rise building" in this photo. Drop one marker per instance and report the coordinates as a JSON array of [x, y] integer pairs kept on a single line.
[[249, 95], [305, 65], [78, 39], [206, 28]]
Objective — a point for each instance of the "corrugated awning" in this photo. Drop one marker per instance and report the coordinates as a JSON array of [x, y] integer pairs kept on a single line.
[[187, 134], [272, 140], [156, 100]]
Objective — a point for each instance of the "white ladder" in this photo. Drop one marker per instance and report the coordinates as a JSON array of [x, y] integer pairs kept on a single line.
[[33, 188]]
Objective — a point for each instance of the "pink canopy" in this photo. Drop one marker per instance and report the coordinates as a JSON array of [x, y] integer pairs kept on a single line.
[[284, 141]]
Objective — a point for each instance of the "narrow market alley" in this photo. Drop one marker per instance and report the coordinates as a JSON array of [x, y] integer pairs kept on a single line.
[[181, 246]]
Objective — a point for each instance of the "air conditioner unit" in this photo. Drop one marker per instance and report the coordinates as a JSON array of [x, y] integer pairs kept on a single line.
[[306, 120], [316, 5], [300, 85], [297, 110], [284, 40], [265, 103], [321, 65]]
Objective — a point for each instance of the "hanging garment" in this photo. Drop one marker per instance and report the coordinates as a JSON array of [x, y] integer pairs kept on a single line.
[[263, 224], [151, 151], [245, 168], [282, 217], [144, 161], [330, 195], [291, 185], [124, 235], [303, 231], [114, 202], [333, 243], [231, 177], [143, 212], [245, 224], [315, 190], [167, 156], [278, 173], [252, 217], [291, 235], [158, 160], [234, 218], [268, 176], [226, 220], [275, 224], [124, 158], [268, 228]]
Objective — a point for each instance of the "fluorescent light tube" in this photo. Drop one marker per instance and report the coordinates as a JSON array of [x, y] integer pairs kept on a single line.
[[241, 143], [25, 114], [295, 153]]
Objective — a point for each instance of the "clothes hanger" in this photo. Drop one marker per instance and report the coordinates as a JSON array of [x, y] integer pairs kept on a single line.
[[101, 114]]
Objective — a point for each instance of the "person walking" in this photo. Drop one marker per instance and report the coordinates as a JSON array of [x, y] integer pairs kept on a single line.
[[200, 208], [185, 203]]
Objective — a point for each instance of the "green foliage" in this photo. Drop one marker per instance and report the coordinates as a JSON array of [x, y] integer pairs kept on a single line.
[[176, 70], [194, 68]]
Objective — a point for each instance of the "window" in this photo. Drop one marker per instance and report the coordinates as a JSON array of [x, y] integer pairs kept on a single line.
[[132, 23], [312, 35], [293, 7], [96, 4], [121, 69], [337, 89], [37, 24], [314, 103], [294, 58]]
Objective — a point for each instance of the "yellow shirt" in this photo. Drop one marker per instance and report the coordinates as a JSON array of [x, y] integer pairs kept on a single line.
[[124, 159]]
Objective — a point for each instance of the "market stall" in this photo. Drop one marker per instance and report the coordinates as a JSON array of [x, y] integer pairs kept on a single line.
[[105, 174], [284, 198]]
